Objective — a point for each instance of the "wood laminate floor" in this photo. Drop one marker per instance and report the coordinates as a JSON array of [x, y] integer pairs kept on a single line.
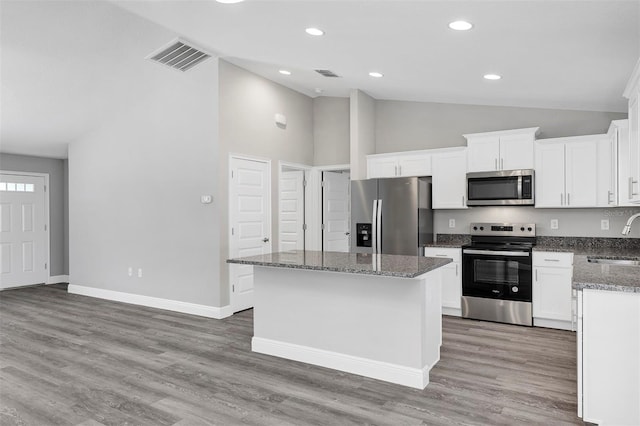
[[69, 359]]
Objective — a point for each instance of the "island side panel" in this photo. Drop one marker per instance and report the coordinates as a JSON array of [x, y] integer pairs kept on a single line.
[[350, 319]]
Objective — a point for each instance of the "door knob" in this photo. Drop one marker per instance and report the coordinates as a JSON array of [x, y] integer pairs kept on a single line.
[[346, 233], [265, 240]]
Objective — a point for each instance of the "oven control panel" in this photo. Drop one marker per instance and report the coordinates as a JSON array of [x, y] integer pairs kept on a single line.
[[504, 229]]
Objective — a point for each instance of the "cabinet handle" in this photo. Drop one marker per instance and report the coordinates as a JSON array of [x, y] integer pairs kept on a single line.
[[463, 201], [399, 170], [568, 199], [502, 164], [552, 260], [495, 163], [536, 275], [395, 168], [456, 269], [631, 183], [562, 199]]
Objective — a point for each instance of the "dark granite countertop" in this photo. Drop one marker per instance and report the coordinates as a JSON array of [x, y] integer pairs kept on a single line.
[[594, 275], [353, 263]]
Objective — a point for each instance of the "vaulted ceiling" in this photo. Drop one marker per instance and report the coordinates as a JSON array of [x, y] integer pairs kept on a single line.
[[66, 64]]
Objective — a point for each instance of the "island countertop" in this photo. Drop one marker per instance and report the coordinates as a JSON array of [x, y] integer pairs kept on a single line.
[[388, 265]]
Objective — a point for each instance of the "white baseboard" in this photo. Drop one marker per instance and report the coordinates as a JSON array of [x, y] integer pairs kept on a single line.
[[407, 376], [549, 323], [454, 312], [153, 302], [55, 279]]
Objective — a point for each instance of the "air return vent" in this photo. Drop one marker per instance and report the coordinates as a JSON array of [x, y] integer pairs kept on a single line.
[[179, 55], [327, 73]]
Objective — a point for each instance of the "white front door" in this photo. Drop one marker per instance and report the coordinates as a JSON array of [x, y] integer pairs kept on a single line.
[[23, 232], [250, 220], [291, 212], [336, 211]]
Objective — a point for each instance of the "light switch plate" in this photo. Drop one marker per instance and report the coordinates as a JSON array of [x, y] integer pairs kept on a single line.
[[554, 223], [206, 199], [604, 224]]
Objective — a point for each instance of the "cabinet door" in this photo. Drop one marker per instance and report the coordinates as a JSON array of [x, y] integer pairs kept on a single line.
[[449, 180], [516, 152], [634, 149], [549, 181], [484, 153], [624, 162], [606, 173], [415, 165], [382, 167], [581, 165], [451, 286], [552, 293]]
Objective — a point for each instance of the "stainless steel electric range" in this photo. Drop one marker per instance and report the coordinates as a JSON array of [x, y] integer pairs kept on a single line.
[[497, 273]]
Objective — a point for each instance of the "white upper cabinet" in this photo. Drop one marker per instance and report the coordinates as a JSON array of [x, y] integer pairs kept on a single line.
[[414, 163], [632, 92], [449, 179], [503, 150], [573, 172]]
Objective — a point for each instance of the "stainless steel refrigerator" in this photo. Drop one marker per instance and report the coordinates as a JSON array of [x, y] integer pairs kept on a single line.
[[391, 216]]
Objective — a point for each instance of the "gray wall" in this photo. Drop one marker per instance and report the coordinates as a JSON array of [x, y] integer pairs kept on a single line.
[[58, 207], [406, 126], [247, 106], [571, 222], [135, 185], [330, 131]]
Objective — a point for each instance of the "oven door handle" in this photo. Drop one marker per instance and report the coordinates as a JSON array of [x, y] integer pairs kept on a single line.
[[497, 253]]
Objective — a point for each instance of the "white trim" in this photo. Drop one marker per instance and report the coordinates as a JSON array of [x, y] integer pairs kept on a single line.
[[551, 323], [393, 373], [47, 217], [454, 312], [529, 130], [153, 302], [230, 218], [55, 279], [334, 168]]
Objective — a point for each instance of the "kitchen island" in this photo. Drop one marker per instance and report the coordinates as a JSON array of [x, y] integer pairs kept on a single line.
[[378, 316]]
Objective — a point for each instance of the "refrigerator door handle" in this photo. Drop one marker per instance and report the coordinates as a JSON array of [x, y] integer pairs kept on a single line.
[[379, 226], [374, 237]]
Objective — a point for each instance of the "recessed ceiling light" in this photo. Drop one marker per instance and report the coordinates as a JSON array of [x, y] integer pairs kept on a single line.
[[376, 74], [229, 1], [314, 31], [285, 72], [460, 25], [492, 76]]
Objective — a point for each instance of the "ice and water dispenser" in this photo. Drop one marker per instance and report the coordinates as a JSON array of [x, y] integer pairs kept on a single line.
[[363, 234]]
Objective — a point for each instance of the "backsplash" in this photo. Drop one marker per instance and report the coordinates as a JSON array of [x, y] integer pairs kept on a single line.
[[571, 222]]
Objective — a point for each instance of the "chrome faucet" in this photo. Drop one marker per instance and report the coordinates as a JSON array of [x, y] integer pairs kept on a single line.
[[627, 227]]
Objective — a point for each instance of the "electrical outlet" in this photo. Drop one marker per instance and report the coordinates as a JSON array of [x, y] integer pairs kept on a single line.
[[139, 272], [130, 271], [554, 223], [604, 224], [452, 223]]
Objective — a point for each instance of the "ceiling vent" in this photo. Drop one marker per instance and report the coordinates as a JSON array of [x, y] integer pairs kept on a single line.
[[179, 55], [327, 73]]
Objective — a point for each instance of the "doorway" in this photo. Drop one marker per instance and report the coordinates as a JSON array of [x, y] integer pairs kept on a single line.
[[250, 222], [336, 210]]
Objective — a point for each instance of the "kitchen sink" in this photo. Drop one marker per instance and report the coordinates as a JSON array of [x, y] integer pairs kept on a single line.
[[623, 262]]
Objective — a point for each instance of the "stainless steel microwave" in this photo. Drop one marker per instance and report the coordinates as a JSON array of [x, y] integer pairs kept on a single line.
[[502, 188]]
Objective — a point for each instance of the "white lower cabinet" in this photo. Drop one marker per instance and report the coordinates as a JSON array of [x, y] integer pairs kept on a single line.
[[451, 279], [552, 294], [609, 357]]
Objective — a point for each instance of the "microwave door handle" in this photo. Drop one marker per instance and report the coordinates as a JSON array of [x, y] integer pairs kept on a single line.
[[519, 187]]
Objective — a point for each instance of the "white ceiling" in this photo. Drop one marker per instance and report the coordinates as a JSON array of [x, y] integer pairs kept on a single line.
[[58, 80]]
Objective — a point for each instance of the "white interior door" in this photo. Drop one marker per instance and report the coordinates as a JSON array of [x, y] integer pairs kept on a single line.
[[23, 235], [250, 220], [336, 211], [291, 214]]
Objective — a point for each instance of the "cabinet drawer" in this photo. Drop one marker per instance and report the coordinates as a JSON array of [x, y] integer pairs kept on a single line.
[[454, 254], [548, 258]]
